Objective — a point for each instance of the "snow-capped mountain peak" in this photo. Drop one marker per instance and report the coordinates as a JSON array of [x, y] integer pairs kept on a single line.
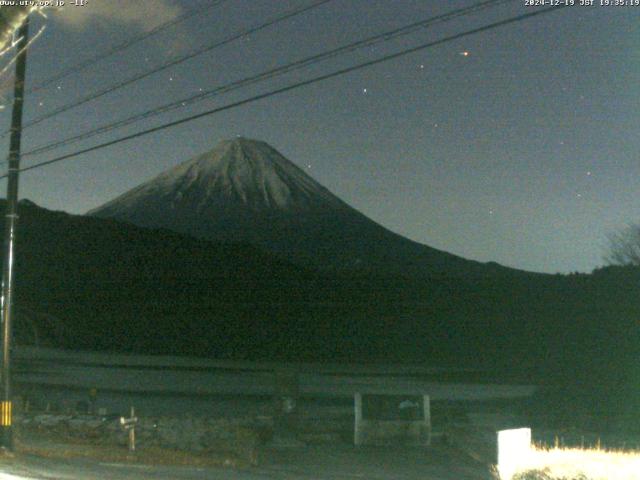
[[245, 191], [240, 172]]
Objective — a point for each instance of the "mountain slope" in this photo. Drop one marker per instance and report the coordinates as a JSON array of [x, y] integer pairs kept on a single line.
[[96, 284], [244, 190], [104, 285]]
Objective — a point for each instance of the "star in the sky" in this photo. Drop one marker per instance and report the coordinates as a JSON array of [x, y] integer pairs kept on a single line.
[[464, 53]]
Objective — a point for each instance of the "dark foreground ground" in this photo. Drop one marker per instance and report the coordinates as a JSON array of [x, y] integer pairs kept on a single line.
[[335, 462], [220, 416]]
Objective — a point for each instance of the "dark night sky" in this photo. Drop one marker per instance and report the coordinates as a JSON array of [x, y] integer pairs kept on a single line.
[[523, 151]]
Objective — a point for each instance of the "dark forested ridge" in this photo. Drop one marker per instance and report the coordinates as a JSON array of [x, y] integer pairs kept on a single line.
[[90, 283]]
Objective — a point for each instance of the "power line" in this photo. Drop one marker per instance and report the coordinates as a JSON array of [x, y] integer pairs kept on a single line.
[[294, 86], [305, 62], [123, 46], [169, 64]]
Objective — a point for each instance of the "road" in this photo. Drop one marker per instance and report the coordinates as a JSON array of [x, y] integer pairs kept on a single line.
[[174, 385], [322, 463]]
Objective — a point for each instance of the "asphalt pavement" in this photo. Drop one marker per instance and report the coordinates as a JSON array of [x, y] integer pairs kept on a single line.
[[315, 462]]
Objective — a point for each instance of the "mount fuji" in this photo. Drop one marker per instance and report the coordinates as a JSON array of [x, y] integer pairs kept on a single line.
[[246, 191]]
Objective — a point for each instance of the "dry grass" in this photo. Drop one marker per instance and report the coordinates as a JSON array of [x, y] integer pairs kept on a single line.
[[541, 463], [52, 446]]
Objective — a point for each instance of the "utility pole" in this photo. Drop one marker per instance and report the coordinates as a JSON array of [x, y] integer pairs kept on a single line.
[[11, 216]]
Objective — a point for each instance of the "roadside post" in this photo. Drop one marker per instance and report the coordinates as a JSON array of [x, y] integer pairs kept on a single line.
[[129, 424]]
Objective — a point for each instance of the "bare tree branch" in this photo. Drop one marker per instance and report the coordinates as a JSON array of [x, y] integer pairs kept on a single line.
[[624, 247]]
